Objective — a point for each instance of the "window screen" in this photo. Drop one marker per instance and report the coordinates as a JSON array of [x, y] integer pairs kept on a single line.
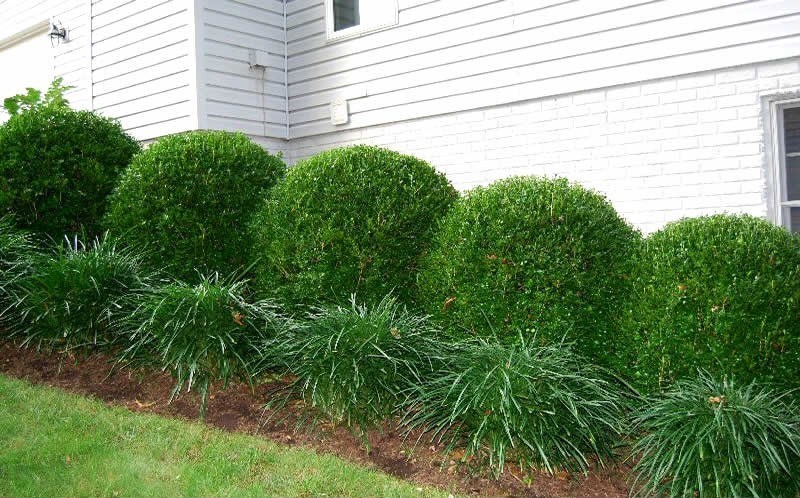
[[794, 219], [345, 14], [791, 140], [791, 165], [349, 18]]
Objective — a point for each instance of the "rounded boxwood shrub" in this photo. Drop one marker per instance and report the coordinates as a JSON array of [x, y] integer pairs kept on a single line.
[[535, 256], [353, 220], [188, 199], [57, 167], [720, 293]]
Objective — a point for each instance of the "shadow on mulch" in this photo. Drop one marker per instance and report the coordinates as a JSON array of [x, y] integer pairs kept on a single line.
[[240, 409]]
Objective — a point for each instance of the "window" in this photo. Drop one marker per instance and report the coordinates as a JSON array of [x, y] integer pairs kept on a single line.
[[345, 18], [787, 127]]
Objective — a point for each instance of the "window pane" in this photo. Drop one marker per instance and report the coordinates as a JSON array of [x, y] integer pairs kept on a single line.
[[794, 219], [345, 14], [791, 130], [793, 178]]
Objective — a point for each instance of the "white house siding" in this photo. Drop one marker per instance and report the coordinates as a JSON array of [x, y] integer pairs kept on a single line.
[[235, 96], [659, 150], [447, 56], [142, 65], [69, 60], [273, 145]]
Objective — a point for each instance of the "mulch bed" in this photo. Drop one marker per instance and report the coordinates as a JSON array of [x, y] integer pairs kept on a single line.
[[239, 409]]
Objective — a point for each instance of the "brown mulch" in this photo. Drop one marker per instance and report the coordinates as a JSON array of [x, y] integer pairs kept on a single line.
[[239, 409]]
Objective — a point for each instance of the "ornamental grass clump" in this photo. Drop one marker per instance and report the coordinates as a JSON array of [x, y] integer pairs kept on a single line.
[[188, 198], [200, 334], [540, 406], [17, 253], [354, 220], [720, 293], [72, 298], [533, 256], [707, 437], [353, 366]]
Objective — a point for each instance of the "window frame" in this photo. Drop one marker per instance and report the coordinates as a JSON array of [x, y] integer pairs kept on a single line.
[[781, 205], [356, 31]]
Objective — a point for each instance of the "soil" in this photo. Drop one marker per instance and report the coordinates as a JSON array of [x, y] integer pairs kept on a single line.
[[240, 408]]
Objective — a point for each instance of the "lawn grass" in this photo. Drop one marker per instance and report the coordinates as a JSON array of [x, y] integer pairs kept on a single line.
[[58, 444]]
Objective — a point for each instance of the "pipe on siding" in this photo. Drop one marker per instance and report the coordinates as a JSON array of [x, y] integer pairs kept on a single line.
[[286, 63]]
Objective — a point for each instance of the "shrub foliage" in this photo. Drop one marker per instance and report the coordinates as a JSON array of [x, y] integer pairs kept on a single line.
[[353, 365], [540, 406], [189, 197], [73, 298], [721, 293], [57, 167], [201, 333], [531, 255], [33, 99], [712, 438], [348, 221]]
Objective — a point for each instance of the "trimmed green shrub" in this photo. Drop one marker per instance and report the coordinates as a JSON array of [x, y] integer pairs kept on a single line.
[[720, 293], [57, 167], [72, 299], [201, 333], [353, 365], [188, 198], [533, 256], [17, 253], [710, 438], [348, 221], [540, 406]]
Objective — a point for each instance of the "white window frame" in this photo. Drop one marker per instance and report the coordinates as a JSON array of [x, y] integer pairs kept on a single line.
[[354, 31], [779, 192]]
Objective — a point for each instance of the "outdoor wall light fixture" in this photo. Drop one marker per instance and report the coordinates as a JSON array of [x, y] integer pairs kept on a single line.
[[57, 34]]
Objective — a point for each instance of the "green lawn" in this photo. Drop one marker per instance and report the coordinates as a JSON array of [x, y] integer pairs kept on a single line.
[[57, 444]]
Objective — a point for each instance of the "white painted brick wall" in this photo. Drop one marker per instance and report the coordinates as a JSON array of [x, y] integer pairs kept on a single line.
[[659, 150]]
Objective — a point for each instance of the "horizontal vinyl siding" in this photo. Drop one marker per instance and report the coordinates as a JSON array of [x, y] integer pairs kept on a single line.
[[453, 55], [141, 63], [71, 59], [236, 97]]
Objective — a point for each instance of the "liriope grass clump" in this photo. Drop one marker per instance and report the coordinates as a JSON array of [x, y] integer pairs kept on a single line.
[[17, 253], [354, 365], [200, 334], [708, 437], [540, 406], [73, 297]]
